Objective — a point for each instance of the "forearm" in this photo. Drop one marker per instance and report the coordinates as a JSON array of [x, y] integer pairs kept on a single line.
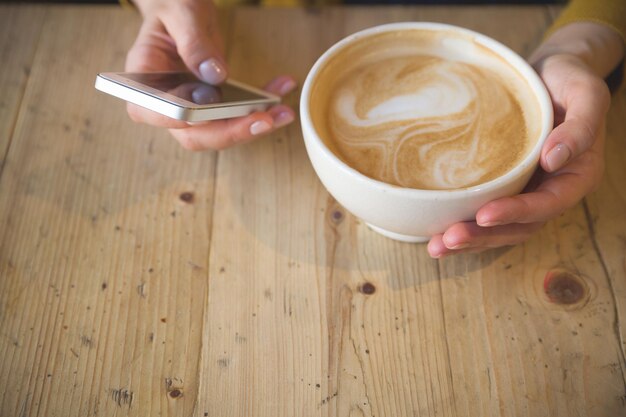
[[598, 46], [145, 6]]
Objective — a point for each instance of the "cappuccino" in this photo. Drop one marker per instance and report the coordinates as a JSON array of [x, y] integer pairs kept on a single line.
[[424, 109]]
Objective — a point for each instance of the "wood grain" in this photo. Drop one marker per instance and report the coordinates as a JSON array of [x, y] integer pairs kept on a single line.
[[17, 50], [332, 319], [137, 278], [605, 211], [104, 243]]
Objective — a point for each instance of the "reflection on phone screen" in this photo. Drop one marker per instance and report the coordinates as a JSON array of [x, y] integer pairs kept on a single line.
[[197, 92], [188, 87]]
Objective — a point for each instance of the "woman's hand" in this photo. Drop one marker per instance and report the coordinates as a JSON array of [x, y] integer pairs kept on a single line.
[[179, 35], [571, 63]]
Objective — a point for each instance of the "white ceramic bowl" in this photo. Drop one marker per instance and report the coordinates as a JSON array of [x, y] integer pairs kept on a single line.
[[407, 214]]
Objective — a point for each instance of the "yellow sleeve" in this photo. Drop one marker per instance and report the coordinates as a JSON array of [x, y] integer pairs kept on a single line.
[[127, 4], [611, 13]]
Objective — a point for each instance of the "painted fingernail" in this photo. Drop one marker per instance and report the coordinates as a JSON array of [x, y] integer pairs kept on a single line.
[[557, 157], [259, 127], [287, 87], [212, 71], [283, 119]]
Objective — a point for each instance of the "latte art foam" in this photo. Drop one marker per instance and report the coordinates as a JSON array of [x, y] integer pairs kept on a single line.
[[418, 119]]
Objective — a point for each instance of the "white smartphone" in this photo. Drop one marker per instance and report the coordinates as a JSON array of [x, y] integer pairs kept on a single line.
[[182, 96]]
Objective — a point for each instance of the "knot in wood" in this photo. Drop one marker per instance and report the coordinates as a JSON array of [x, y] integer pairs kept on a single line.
[[176, 393], [367, 288], [336, 216], [563, 287], [187, 197]]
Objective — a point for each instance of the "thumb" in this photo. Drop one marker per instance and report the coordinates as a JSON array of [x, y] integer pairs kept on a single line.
[[198, 41], [586, 105]]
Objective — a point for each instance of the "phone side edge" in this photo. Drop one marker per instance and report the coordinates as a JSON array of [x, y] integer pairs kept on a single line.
[[275, 98], [221, 113], [141, 99]]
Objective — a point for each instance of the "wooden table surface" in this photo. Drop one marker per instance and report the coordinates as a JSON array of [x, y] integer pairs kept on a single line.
[[140, 279]]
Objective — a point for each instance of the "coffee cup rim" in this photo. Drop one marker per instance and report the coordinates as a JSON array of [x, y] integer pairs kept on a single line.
[[515, 60]]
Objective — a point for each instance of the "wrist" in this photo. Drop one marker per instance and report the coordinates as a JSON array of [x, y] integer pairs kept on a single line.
[[143, 5], [599, 47], [149, 7]]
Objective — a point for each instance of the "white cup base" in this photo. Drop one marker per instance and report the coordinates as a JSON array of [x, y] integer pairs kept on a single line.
[[398, 236]]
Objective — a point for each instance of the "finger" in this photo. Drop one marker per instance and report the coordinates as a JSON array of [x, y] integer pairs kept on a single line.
[[221, 134], [281, 85], [448, 252], [586, 105], [437, 249], [153, 50], [540, 205], [555, 194], [467, 235], [140, 114], [214, 32], [550, 201], [282, 115], [193, 30]]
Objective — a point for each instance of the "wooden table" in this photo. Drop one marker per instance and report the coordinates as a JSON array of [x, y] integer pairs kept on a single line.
[[140, 279]]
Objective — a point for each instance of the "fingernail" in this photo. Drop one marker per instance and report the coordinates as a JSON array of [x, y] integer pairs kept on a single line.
[[462, 245], [490, 223], [212, 71], [453, 245], [259, 127], [287, 87], [557, 157], [283, 118], [440, 255]]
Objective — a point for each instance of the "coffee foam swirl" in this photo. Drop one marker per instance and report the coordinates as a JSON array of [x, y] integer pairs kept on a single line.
[[422, 118]]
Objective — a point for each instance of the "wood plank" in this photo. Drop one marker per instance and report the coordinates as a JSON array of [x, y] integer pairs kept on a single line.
[[17, 50], [103, 257], [606, 221], [605, 212]]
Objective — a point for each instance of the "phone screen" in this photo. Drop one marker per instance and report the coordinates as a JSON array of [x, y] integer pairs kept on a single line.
[[187, 87]]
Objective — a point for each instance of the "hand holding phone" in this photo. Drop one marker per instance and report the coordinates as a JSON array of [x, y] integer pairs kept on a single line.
[[201, 116], [183, 35]]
